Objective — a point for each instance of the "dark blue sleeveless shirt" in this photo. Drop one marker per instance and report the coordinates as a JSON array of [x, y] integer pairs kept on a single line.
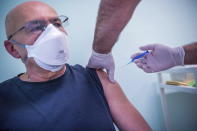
[[73, 102]]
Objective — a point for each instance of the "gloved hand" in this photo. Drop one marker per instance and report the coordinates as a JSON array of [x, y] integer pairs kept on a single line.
[[103, 61], [160, 58]]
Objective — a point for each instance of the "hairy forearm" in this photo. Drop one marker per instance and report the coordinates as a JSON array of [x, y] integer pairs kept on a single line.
[[190, 53], [112, 17]]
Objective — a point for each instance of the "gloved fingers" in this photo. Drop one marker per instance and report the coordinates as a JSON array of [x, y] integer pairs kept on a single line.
[[134, 55], [137, 61], [151, 61], [110, 73], [142, 63], [148, 47], [146, 69], [139, 65], [142, 60]]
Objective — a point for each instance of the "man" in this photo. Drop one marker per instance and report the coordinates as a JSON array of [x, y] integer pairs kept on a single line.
[[53, 95]]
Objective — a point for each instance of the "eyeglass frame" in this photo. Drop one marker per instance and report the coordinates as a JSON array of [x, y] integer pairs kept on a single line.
[[25, 25]]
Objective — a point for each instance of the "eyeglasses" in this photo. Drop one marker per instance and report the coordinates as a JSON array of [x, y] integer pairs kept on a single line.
[[40, 25]]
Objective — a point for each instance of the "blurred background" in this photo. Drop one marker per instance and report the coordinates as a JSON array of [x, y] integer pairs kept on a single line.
[[169, 22]]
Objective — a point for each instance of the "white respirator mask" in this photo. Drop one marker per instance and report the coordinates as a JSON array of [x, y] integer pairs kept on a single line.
[[50, 51]]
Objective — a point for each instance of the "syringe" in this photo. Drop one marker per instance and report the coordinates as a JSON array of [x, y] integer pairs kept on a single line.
[[139, 56]]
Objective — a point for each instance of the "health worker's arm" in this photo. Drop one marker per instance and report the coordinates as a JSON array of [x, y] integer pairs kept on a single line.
[[190, 53], [124, 114], [113, 15]]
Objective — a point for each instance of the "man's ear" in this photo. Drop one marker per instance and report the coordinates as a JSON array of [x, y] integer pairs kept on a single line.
[[11, 50]]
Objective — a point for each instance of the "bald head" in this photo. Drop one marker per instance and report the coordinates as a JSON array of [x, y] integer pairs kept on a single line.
[[26, 12]]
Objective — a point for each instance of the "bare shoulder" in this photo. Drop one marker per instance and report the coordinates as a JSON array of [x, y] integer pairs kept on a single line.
[[105, 81], [104, 78]]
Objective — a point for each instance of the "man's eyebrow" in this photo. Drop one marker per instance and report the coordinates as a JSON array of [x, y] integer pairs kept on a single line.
[[33, 21], [55, 19], [50, 19]]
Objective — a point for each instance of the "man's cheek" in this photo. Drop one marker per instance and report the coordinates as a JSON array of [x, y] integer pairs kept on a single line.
[[33, 37]]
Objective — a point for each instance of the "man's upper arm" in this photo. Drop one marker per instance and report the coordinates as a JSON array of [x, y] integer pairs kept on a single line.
[[123, 112]]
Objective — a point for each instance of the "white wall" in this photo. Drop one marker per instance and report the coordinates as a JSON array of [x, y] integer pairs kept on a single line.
[[171, 22]]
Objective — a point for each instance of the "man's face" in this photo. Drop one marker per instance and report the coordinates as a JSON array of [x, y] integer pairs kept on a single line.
[[25, 13]]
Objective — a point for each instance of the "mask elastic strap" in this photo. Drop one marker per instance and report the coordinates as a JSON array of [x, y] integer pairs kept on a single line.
[[18, 44]]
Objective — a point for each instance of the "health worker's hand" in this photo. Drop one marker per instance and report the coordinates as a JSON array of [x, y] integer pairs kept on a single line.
[[103, 61], [160, 58]]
